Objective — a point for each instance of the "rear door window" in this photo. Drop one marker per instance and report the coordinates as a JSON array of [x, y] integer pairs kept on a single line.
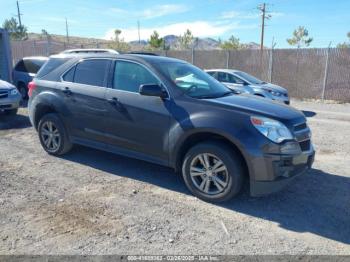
[[92, 72]]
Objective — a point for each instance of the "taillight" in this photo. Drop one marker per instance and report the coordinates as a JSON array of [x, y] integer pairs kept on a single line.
[[31, 88]]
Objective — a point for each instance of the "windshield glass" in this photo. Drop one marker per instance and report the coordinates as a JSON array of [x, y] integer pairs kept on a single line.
[[250, 78], [193, 81]]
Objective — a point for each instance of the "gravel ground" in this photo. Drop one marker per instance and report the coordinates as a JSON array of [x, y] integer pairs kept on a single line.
[[92, 202]]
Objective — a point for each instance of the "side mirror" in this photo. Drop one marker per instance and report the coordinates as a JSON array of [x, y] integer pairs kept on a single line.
[[152, 90]]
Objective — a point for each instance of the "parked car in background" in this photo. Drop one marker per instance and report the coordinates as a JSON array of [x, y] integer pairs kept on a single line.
[[243, 82], [171, 113], [24, 72], [10, 98], [89, 50]]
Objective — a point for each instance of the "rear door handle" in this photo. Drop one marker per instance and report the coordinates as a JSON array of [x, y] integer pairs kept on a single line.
[[67, 91]]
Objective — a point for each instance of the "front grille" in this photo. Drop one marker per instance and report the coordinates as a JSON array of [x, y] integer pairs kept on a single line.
[[4, 94], [302, 135], [5, 106], [300, 127], [305, 145]]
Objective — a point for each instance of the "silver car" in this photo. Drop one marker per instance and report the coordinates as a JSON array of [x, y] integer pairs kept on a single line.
[[242, 82], [10, 98], [24, 72]]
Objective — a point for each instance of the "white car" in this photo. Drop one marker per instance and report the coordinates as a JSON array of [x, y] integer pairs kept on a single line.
[[10, 98], [242, 82]]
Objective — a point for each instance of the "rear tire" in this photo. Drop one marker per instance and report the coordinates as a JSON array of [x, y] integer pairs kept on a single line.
[[22, 89], [11, 112], [213, 172], [53, 135]]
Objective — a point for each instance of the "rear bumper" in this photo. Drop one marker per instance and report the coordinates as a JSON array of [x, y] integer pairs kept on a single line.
[[282, 169]]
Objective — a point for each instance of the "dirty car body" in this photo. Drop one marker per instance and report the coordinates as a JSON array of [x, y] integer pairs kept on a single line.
[[171, 113]]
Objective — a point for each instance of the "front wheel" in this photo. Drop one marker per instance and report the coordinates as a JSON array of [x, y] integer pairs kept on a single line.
[[53, 136], [213, 172]]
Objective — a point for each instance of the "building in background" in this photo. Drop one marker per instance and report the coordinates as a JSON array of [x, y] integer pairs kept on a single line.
[[5, 56]]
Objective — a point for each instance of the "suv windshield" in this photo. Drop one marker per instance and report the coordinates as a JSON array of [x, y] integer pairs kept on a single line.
[[193, 81], [251, 79]]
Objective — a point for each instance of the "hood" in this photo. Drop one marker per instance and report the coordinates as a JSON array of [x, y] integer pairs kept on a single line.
[[271, 87], [5, 85], [260, 106]]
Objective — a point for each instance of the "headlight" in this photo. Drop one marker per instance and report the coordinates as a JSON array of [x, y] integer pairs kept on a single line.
[[274, 93], [14, 92], [272, 129]]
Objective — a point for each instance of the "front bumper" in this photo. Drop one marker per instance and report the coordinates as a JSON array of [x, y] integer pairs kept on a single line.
[[10, 102], [279, 170]]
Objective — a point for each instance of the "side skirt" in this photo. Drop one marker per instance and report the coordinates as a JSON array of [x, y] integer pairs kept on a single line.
[[119, 151]]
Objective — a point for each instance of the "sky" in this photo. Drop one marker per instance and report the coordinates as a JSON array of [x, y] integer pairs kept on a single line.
[[327, 21]]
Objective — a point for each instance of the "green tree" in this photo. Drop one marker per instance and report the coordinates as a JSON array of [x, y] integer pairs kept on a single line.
[[231, 43], [16, 31], [300, 37], [118, 42], [345, 44], [155, 41], [45, 35], [186, 40]]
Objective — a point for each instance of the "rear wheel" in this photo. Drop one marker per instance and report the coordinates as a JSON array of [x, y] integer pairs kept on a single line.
[[213, 172], [53, 136], [22, 89]]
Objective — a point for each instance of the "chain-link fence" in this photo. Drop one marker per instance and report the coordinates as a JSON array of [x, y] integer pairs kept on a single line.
[[306, 73]]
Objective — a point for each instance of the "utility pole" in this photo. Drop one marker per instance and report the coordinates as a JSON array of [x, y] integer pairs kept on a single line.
[[264, 16], [19, 15], [138, 30], [67, 35]]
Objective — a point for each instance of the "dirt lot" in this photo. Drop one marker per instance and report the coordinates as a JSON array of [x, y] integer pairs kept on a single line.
[[92, 202]]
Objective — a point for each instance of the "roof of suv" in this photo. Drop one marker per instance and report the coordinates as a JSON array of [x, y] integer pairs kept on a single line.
[[136, 57], [35, 58], [223, 70]]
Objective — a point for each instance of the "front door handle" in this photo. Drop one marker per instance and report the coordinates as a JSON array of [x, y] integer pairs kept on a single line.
[[67, 91], [113, 101]]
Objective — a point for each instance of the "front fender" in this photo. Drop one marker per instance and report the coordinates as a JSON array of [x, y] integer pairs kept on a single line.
[[208, 122]]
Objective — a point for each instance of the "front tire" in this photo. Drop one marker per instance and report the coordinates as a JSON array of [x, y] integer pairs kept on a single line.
[[53, 136], [213, 172]]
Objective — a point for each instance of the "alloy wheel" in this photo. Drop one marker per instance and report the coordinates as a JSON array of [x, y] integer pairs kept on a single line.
[[209, 174], [50, 136]]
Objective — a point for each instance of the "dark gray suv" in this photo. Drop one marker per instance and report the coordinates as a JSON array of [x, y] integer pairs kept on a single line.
[[171, 113]]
